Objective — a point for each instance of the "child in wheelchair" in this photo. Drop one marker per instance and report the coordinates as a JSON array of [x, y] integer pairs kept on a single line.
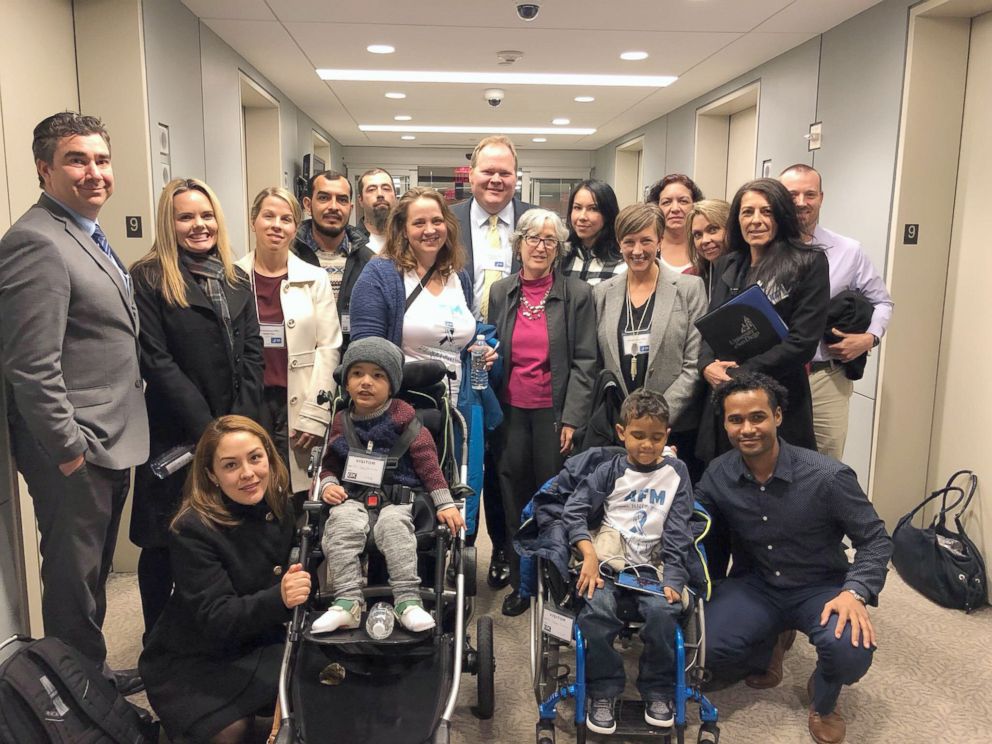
[[370, 494], [644, 501]]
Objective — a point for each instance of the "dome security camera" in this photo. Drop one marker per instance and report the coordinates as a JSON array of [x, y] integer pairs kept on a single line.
[[494, 96], [528, 11]]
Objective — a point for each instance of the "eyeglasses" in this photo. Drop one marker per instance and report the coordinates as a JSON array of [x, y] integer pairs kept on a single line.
[[535, 240]]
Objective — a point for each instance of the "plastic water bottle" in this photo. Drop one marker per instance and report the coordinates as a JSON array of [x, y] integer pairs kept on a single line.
[[379, 623], [480, 375]]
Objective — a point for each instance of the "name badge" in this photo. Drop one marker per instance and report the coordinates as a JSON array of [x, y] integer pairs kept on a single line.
[[273, 335], [636, 343], [493, 260], [364, 468], [346, 323]]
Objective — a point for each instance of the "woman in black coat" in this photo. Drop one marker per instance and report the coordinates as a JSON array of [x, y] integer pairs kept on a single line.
[[765, 247], [546, 323], [201, 357], [211, 664]]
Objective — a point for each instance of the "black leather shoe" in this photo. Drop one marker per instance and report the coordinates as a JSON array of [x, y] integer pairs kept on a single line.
[[128, 682], [499, 571], [514, 604]]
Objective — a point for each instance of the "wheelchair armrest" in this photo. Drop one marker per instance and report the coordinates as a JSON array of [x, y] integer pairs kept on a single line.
[[461, 492]]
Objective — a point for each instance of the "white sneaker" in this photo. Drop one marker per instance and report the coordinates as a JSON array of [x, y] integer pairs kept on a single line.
[[416, 619], [343, 614]]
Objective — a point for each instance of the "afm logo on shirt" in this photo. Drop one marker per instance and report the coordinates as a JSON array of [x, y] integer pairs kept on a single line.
[[640, 495]]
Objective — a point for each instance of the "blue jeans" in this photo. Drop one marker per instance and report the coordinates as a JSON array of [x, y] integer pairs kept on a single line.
[[604, 666], [746, 615]]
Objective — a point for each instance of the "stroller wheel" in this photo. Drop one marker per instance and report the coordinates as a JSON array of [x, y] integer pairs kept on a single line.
[[468, 568], [486, 679]]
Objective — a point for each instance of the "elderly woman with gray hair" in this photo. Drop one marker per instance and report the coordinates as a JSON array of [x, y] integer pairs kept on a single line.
[[546, 323]]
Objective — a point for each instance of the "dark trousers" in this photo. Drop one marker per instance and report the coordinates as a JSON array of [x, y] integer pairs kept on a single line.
[[492, 497], [530, 454], [605, 675], [273, 417], [78, 517], [746, 615], [154, 585]]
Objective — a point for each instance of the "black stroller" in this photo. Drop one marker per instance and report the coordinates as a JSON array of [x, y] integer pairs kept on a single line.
[[347, 687]]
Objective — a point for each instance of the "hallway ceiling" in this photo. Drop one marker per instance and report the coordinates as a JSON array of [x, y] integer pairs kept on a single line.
[[704, 42]]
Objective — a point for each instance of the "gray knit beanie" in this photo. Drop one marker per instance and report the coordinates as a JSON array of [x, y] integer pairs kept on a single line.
[[379, 351]]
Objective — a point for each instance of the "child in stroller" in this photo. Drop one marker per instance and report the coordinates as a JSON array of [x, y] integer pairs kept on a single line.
[[645, 501], [370, 494]]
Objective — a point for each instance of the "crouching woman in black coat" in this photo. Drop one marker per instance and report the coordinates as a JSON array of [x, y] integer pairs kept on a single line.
[[211, 665]]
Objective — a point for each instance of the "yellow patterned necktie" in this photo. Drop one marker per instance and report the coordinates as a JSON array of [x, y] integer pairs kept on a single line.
[[491, 276]]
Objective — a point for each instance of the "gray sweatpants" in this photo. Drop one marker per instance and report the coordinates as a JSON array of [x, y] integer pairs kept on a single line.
[[343, 543]]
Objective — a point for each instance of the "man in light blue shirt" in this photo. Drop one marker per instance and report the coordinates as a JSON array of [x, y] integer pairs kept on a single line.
[[850, 269]]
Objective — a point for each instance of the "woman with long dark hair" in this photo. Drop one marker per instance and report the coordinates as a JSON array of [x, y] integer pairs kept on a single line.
[[674, 195], [201, 357], [765, 247], [591, 252], [212, 662]]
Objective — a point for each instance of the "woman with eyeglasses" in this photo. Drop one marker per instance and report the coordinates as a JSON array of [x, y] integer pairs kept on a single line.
[[546, 324]]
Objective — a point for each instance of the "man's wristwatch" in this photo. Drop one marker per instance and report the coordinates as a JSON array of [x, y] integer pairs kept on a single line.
[[858, 597], [876, 342]]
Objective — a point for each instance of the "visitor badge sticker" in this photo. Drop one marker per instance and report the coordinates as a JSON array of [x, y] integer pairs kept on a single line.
[[364, 468], [273, 335], [557, 624]]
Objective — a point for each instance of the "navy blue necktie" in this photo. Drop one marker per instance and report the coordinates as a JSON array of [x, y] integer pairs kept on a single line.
[[101, 240]]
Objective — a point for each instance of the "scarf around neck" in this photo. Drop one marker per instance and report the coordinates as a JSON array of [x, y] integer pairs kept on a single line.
[[208, 271]]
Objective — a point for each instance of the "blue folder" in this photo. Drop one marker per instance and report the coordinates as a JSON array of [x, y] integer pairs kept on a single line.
[[743, 327]]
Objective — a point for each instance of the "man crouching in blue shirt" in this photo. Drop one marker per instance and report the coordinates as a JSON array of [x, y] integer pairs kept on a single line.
[[788, 510], [643, 498]]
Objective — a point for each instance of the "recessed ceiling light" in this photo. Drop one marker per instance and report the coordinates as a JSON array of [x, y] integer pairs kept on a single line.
[[500, 79], [632, 56], [495, 129], [396, 96], [408, 137], [561, 122], [584, 99], [540, 139], [402, 117], [380, 48]]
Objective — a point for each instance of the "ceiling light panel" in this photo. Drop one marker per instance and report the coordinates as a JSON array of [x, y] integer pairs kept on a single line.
[[494, 129], [497, 78]]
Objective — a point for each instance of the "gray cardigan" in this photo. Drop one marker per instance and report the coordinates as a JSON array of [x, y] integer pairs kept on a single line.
[[680, 300], [571, 320]]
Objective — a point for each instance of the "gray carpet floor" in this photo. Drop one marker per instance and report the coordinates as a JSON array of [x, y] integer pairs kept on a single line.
[[931, 680]]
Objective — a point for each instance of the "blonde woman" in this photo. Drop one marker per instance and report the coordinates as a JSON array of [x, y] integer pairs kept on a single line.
[[707, 236], [201, 357], [212, 663], [301, 335]]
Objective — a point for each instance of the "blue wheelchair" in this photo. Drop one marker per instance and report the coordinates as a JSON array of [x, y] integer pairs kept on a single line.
[[555, 635]]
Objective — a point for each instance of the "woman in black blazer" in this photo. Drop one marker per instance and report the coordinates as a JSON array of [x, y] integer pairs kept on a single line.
[[546, 323], [765, 247], [211, 664], [201, 357]]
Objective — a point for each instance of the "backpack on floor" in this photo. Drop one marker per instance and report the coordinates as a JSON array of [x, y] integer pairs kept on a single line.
[[49, 692]]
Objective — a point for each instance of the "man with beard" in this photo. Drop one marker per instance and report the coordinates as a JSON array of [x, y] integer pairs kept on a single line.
[[788, 510], [377, 196], [831, 379], [327, 240]]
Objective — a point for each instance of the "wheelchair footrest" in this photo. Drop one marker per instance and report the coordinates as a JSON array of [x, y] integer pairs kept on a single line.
[[630, 721]]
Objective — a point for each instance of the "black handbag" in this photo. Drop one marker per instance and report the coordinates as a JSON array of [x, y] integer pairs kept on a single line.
[[942, 564]]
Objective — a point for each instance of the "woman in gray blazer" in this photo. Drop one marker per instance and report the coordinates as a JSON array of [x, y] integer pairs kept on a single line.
[[646, 326]]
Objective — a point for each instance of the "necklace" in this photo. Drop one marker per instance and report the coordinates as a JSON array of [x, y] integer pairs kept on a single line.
[[637, 328], [533, 312]]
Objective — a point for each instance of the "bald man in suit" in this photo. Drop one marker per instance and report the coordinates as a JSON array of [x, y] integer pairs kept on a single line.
[[69, 352]]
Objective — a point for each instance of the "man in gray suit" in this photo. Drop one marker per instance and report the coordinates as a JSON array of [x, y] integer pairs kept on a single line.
[[486, 223], [69, 352]]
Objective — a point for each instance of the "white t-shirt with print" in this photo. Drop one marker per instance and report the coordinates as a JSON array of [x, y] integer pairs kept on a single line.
[[638, 507], [438, 327]]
